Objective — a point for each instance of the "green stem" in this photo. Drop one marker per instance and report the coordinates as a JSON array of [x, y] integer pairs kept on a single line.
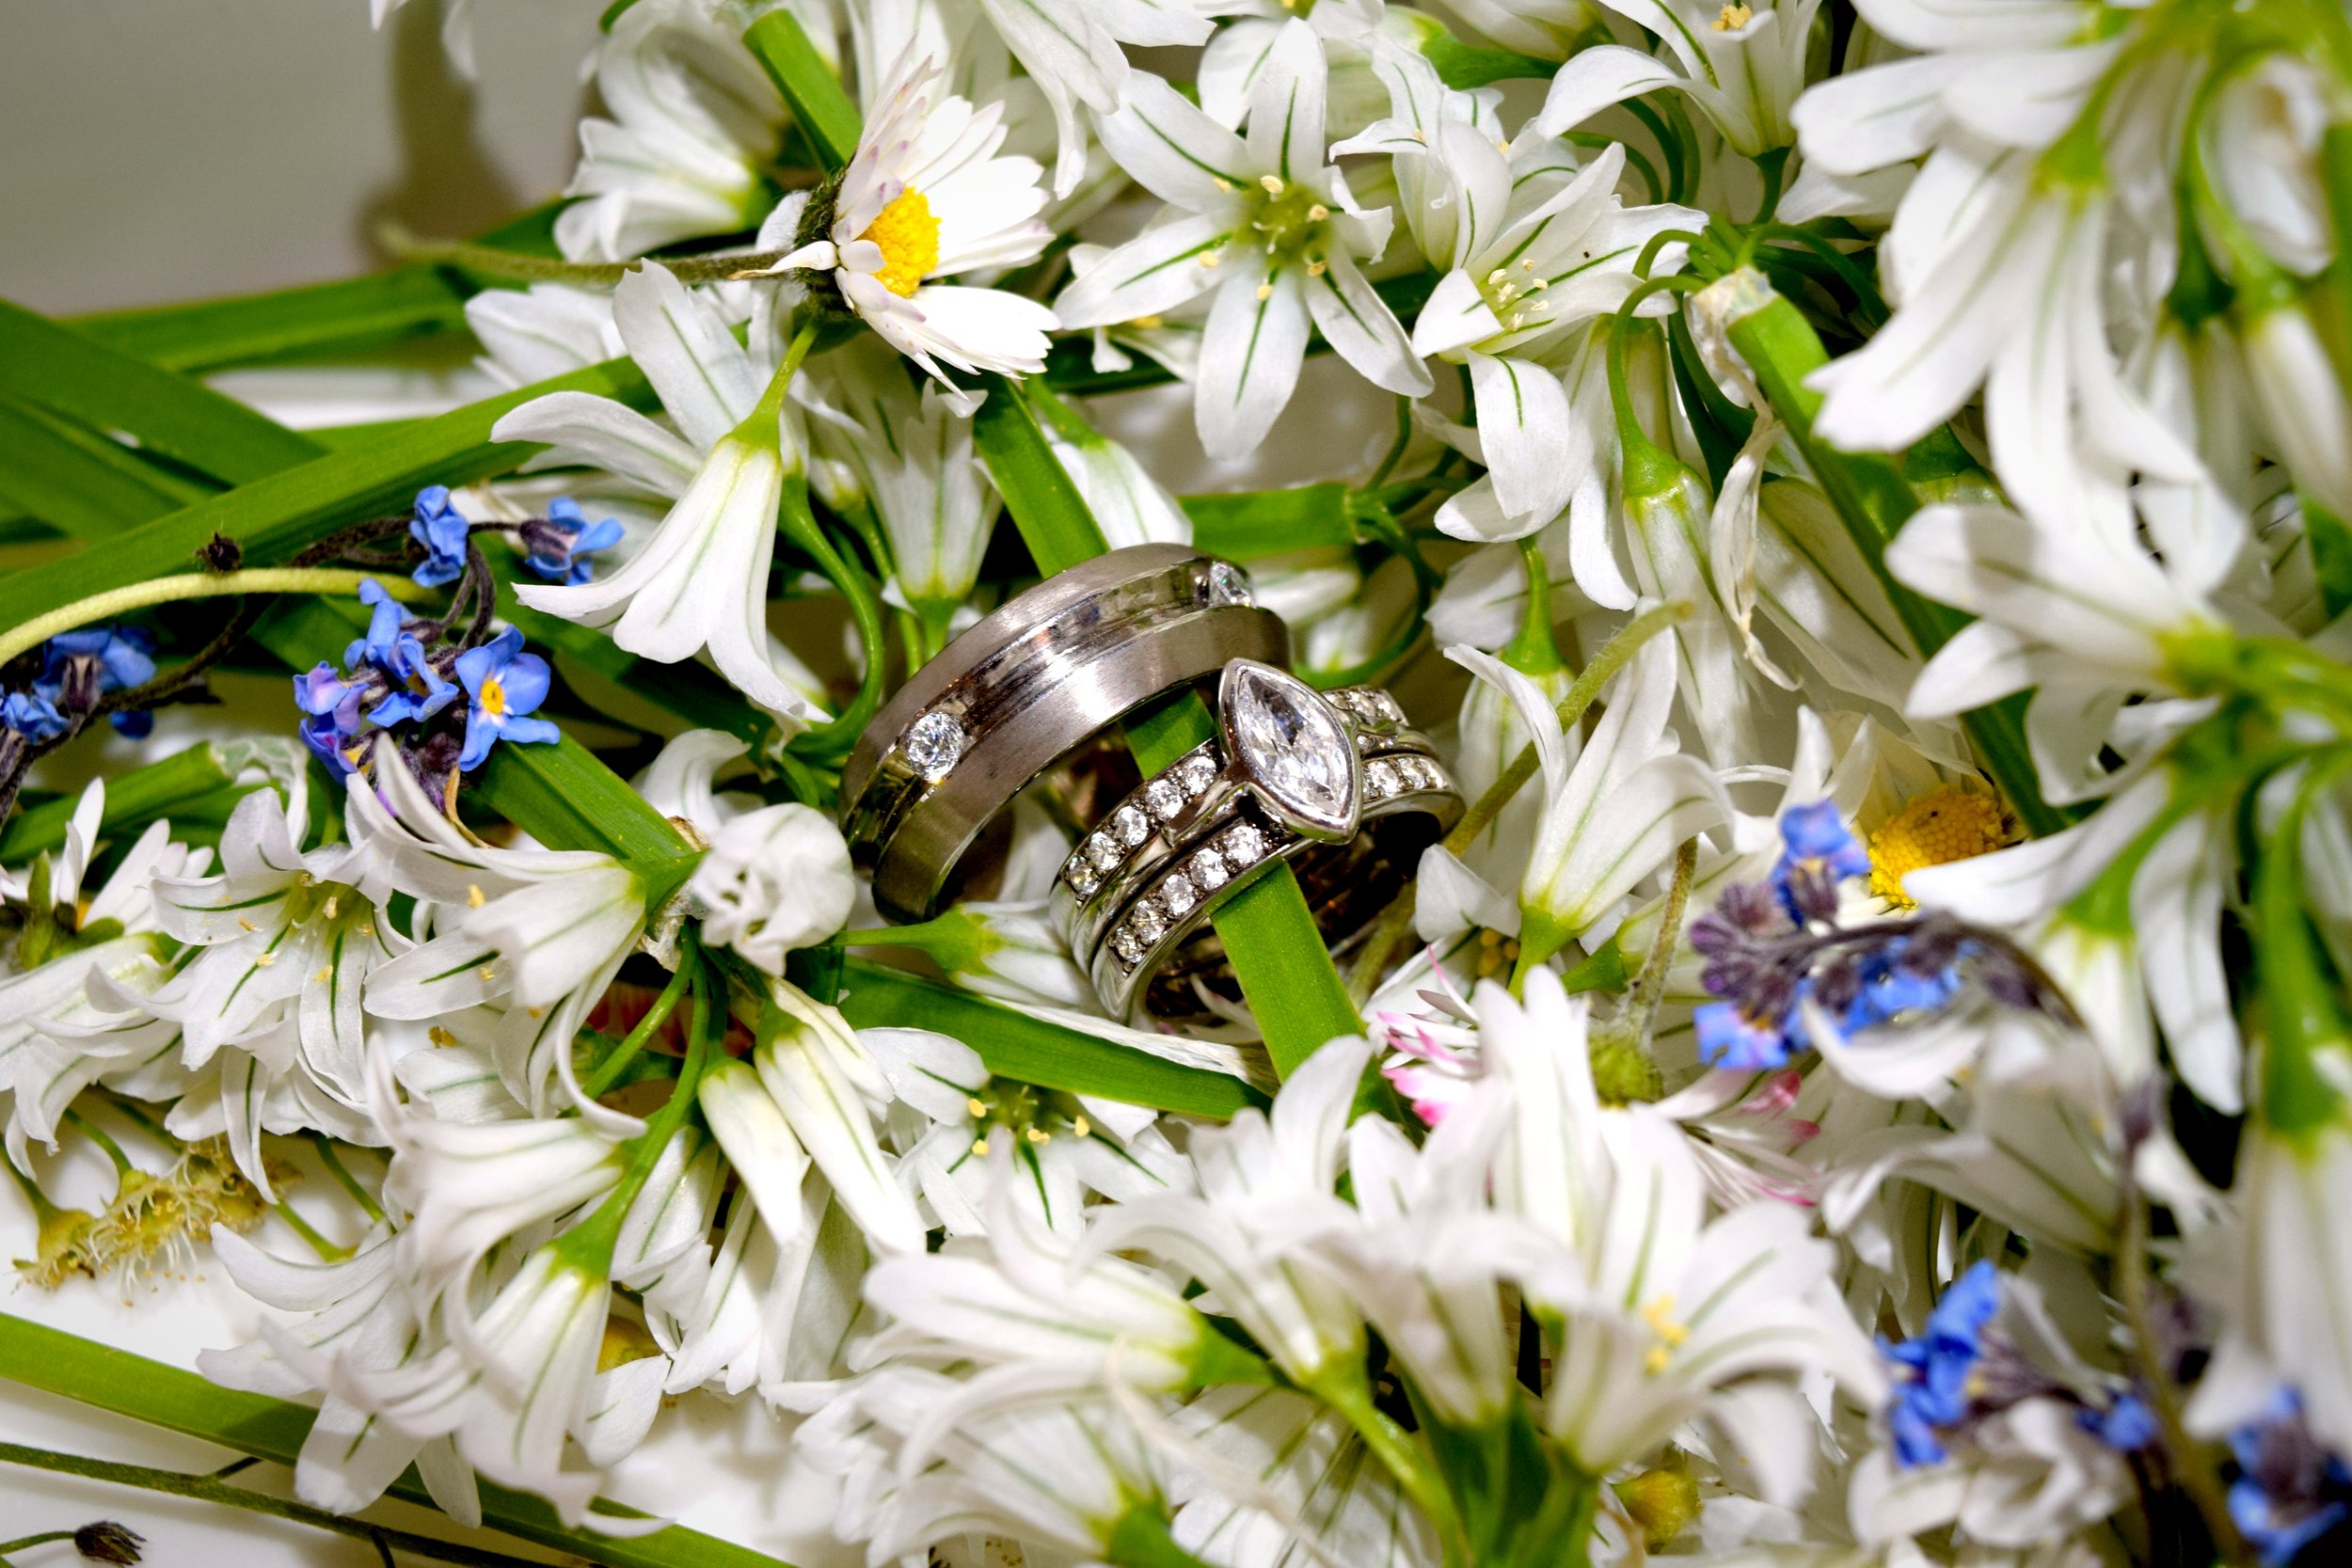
[[43, 1210], [325, 1147], [508, 266], [833, 739], [608, 1072], [42, 1540], [206, 1489], [1142, 1539], [104, 1139], [2193, 1463], [197, 585], [327, 1251], [590, 1246]]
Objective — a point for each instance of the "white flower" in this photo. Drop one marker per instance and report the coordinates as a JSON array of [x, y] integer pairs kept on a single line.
[[727, 465], [1264, 1181], [2083, 613], [812, 1094], [541, 931], [1665, 1319], [359, 1315], [46, 1056], [1023, 1295], [548, 330], [1269, 224], [773, 879], [1535, 252], [284, 934], [694, 122], [926, 196], [1743, 66], [1618, 811], [878, 444], [953, 1118]]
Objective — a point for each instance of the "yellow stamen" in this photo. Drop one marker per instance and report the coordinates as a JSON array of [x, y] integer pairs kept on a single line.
[[1080, 1127], [979, 1146], [473, 896], [1265, 290], [1273, 183], [977, 1107], [1734, 17], [1946, 824], [908, 238], [493, 698]]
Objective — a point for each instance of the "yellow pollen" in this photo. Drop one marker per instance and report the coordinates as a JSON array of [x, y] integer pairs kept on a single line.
[[977, 1107], [1211, 258], [493, 698], [1265, 290], [264, 960], [331, 901], [473, 896], [1659, 1314], [979, 1146], [1317, 268], [908, 238], [1317, 213], [1148, 323], [1272, 182], [367, 927], [440, 1036], [326, 972], [1220, 181], [1037, 1134], [1946, 824], [247, 925], [488, 973], [1080, 1127], [1734, 16]]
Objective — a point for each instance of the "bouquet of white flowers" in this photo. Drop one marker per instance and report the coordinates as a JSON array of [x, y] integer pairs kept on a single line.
[[1702, 913]]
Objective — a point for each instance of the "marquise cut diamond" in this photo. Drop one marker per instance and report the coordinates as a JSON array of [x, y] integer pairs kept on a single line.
[[1293, 746]]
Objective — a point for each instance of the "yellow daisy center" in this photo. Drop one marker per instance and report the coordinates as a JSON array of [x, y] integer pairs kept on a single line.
[[908, 238], [1943, 825], [493, 697]]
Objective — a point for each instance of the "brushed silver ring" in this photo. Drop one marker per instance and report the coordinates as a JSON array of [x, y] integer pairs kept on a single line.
[[1023, 689]]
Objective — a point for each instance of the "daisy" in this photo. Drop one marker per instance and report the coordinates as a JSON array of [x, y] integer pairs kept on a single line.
[[1268, 223], [926, 196]]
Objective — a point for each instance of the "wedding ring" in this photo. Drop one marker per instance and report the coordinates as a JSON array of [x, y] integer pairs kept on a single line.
[[1023, 689], [1335, 784]]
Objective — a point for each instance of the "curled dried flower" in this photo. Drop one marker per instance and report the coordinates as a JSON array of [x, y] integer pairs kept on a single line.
[[108, 1542]]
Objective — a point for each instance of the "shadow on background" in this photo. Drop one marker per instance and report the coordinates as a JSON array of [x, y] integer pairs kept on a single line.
[[447, 186]]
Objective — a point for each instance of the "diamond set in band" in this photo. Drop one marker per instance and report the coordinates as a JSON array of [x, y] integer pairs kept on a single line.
[[1106, 848], [1179, 891], [934, 744], [1385, 777]]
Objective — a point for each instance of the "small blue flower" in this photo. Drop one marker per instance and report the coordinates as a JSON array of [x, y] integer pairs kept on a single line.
[[1728, 1038], [1890, 990], [125, 656], [381, 645], [2290, 1491], [1931, 1392], [2127, 1426], [441, 528], [502, 683], [332, 703], [560, 543], [32, 715], [133, 723], [1817, 852]]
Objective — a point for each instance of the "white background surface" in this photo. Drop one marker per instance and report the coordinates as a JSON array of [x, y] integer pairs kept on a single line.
[[164, 150]]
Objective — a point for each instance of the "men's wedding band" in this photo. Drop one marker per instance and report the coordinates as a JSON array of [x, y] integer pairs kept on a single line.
[[1023, 689]]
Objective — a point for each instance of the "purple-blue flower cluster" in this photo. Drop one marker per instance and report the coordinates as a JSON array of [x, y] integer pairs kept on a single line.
[[404, 672], [77, 668], [1934, 1370], [2290, 1492], [1775, 947]]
